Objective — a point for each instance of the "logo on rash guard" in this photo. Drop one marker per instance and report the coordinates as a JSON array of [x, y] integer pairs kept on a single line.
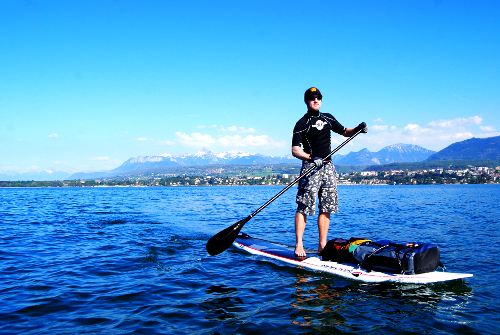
[[319, 125]]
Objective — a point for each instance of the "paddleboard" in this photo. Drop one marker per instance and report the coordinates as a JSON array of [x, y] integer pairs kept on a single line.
[[349, 271]]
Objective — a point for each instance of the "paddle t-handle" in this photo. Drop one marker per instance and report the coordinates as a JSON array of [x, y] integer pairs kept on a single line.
[[225, 238]]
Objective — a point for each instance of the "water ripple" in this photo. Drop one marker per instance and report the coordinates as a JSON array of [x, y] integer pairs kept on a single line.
[[133, 260]]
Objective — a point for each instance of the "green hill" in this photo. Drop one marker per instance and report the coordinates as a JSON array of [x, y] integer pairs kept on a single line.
[[471, 149], [448, 165]]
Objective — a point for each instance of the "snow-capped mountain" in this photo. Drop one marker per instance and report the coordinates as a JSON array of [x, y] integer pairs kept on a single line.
[[403, 153], [203, 157], [390, 154]]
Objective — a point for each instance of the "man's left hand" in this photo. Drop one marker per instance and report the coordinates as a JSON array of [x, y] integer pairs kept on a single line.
[[318, 161], [363, 127]]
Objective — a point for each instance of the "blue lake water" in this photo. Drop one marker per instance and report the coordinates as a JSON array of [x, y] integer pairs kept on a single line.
[[133, 260]]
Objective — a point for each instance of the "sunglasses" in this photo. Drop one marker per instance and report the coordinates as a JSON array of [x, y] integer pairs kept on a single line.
[[314, 97]]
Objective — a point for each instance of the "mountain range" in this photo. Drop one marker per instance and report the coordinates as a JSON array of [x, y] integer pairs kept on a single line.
[[390, 154], [203, 157], [471, 149]]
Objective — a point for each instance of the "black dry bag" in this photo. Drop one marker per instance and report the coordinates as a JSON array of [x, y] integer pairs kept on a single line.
[[387, 256]]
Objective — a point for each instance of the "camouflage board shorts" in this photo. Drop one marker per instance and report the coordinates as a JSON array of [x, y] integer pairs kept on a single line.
[[322, 183]]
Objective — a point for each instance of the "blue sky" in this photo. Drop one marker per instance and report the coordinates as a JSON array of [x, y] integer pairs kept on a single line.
[[86, 85]]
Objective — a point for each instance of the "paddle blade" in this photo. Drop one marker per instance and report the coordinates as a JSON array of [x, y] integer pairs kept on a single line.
[[225, 238]]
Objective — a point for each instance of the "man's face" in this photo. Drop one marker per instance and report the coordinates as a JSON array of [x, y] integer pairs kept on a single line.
[[314, 103]]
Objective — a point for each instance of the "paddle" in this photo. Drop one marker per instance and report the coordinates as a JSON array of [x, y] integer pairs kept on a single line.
[[223, 239]]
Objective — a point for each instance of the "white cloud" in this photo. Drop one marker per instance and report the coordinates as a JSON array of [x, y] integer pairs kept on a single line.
[[435, 135], [54, 135], [164, 142], [456, 136], [141, 139], [486, 135], [378, 120], [487, 128], [241, 130], [228, 141], [200, 127], [412, 128], [195, 139], [474, 120], [247, 130], [249, 141], [378, 128], [239, 137], [100, 159]]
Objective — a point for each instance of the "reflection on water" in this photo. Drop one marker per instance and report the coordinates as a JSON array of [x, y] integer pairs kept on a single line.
[[315, 302], [321, 306]]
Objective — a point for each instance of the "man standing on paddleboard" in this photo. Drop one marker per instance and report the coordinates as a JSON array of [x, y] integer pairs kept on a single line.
[[311, 144]]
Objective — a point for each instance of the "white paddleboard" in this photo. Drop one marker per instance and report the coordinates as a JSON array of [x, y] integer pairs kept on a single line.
[[349, 271]]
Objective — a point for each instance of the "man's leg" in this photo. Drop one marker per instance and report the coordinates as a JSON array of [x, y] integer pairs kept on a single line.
[[306, 201], [323, 225], [300, 225], [328, 202]]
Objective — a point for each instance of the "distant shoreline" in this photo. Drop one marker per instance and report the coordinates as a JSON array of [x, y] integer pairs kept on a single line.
[[158, 186]]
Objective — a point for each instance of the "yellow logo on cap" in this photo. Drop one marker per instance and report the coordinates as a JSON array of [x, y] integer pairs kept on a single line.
[[313, 89]]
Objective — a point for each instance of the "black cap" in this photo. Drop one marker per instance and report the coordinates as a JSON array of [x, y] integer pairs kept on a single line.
[[311, 92]]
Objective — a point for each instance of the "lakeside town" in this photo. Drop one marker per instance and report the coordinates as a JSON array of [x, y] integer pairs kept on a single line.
[[472, 175]]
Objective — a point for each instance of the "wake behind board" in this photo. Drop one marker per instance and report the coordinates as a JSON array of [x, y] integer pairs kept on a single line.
[[349, 271]]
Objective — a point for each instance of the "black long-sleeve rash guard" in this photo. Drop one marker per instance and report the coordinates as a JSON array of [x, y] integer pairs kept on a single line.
[[312, 131]]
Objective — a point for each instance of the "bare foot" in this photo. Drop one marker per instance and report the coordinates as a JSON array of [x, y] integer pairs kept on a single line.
[[300, 252]]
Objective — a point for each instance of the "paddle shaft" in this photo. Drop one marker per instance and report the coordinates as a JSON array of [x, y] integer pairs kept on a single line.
[[304, 174]]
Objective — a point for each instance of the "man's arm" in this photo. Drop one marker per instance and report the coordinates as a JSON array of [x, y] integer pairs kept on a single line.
[[351, 131], [297, 152]]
